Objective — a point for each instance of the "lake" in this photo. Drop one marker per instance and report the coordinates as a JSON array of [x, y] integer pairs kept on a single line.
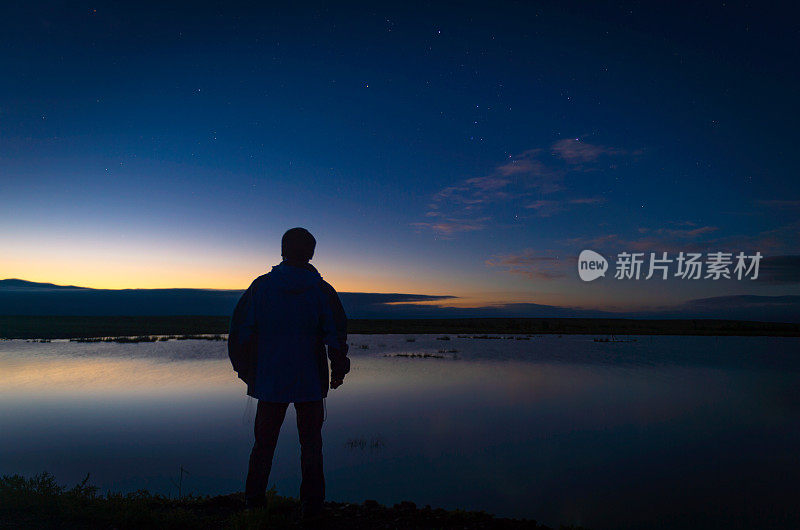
[[660, 432]]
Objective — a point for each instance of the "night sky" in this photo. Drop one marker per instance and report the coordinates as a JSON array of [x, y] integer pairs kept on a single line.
[[465, 149]]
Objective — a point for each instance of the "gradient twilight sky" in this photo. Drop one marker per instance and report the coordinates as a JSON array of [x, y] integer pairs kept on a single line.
[[435, 148]]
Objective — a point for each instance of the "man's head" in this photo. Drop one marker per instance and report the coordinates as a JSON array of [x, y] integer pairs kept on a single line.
[[298, 244]]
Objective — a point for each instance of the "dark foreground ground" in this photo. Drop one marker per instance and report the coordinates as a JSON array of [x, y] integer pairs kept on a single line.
[[62, 327], [39, 502]]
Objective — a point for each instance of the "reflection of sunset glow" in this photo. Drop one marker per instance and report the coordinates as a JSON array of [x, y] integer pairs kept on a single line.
[[128, 412], [49, 375]]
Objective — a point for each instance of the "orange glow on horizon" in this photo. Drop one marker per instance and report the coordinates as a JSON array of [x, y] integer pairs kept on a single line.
[[133, 268]]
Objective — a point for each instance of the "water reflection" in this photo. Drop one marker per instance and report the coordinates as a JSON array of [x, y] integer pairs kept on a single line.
[[563, 430]]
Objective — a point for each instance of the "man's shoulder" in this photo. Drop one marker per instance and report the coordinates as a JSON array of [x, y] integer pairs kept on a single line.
[[260, 282], [327, 288], [263, 277]]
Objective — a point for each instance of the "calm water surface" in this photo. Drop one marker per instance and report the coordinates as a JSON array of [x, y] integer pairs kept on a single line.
[[669, 432]]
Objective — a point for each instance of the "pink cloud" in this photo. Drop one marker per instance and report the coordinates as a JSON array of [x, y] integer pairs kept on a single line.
[[781, 240], [449, 227], [524, 178], [532, 172], [689, 233], [588, 200], [574, 151], [487, 183], [545, 208], [528, 264]]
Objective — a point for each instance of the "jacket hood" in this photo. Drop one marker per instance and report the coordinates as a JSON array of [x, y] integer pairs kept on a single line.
[[295, 279]]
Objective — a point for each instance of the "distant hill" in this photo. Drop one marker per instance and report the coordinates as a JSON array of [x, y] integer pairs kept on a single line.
[[20, 297], [14, 284]]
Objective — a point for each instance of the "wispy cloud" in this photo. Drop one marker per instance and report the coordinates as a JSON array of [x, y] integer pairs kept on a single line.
[[695, 238], [549, 207], [527, 181], [544, 208], [532, 172], [686, 233], [577, 152], [587, 200], [527, 263], [447, 227], [674, 238]]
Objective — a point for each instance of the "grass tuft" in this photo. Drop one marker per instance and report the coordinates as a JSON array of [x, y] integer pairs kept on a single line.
[[41, 502]]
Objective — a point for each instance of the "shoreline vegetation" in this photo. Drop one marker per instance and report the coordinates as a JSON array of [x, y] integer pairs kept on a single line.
[[201, 326], [40, 502]]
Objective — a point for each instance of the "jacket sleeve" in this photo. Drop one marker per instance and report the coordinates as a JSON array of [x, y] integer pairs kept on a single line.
[[242, 337], [337, 350]]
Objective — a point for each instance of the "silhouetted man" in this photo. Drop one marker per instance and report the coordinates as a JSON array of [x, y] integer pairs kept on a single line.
[[279, 331]]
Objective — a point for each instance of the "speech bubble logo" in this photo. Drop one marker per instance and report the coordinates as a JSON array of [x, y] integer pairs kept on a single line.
[[591, 265]]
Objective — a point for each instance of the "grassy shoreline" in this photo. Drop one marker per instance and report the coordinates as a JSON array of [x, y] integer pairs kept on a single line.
[[66, 327], [40, 502]]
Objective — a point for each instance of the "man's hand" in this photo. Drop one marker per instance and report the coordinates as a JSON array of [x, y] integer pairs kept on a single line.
[[336, 382]]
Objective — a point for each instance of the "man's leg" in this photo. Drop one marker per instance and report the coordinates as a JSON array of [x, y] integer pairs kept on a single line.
[[309, 427], [269, 418]]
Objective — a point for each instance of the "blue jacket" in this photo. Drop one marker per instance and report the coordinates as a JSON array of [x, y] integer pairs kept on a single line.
[[279, 331]]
